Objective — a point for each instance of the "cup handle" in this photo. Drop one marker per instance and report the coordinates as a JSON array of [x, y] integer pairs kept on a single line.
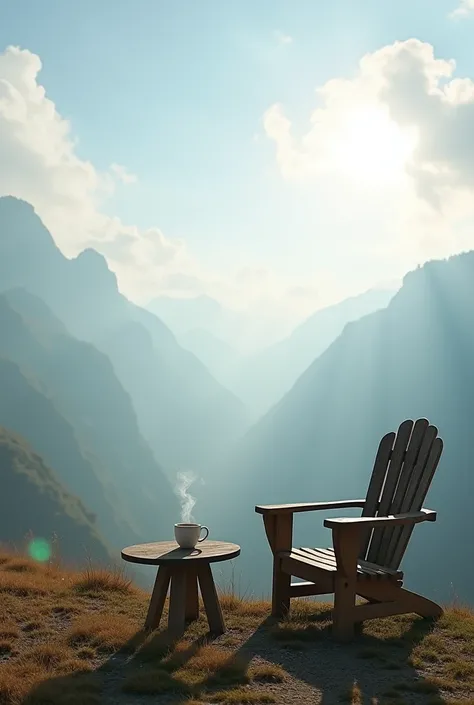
[[204, 537]]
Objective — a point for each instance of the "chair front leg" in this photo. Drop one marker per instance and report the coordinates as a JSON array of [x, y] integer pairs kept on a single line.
[[346, 542], [279, 530]]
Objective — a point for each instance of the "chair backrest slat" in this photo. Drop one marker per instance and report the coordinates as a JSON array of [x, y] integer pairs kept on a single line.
[[403, 470], [382, 460], [396, 551]]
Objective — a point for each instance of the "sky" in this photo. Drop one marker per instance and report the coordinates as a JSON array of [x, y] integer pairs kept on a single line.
[[276, 155]]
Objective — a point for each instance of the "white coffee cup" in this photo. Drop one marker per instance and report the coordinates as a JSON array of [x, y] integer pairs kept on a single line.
[[187, 535]]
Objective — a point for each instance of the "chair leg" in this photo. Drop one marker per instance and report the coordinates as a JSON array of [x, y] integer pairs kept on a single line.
[[344, 609], [281, 590], [421, 605], [403, 601]]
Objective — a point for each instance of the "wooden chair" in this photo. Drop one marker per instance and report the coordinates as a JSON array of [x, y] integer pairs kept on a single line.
[[367, 550]]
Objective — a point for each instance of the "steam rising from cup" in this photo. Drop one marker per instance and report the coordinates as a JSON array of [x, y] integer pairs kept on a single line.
[[184, 482]]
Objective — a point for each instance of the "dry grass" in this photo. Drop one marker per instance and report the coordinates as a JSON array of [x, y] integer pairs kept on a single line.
[[268, 673], [353, 695], [94, 580], [63, 633], [104, 632]]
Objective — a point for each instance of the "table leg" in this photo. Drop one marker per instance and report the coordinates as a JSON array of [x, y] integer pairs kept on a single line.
[[158, 597], [210, 599], [177, 611], [192, 595]]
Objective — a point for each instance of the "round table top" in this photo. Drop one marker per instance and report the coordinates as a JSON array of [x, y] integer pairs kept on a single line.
[[166, 552]]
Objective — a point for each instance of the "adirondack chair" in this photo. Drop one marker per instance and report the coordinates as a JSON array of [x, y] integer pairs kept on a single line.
[[367, 550]]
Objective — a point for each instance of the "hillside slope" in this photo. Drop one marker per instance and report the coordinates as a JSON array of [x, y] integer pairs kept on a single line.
[[26, 409], [413, 359], [33, 501], [264, 378], [83, 387], [184, 413]]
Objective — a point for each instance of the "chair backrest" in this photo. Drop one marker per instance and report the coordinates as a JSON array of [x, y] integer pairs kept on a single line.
[[403, 470]]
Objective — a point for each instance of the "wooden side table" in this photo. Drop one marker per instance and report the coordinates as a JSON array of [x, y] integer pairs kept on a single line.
[[181, 569]]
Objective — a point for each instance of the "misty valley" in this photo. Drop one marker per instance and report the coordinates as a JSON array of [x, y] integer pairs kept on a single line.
[[117, 422]]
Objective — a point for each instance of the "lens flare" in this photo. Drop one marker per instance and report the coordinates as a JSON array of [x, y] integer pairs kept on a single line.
[[40, 550]]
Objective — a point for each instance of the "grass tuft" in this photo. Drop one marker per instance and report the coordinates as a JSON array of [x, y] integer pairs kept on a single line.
[[101, 580], [352, 695], [104, 632], [268, 673]]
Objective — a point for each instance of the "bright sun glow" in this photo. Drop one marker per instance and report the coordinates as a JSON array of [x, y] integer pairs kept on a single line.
[[371, 147]]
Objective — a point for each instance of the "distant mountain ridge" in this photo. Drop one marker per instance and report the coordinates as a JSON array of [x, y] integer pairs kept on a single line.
[[35, 503], [184, 413], [264, 378]]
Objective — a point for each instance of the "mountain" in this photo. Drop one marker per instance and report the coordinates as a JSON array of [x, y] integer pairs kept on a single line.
[[184, 413], [262, 379], [218, 356], [81, 383], [28, 411], [185, 314], [413, 359], [243, 329], [34, 502]]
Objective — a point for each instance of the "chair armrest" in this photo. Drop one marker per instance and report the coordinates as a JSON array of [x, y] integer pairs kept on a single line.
[[376, 522], [307, 507]]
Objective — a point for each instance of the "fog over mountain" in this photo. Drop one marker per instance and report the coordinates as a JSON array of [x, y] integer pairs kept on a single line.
[[261, 378], [186, 416]]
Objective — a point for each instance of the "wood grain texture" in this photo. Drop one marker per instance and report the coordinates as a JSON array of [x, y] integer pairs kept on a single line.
[[325, 559], [168, 552], [307, 506], [396, 550], [192, 594], [281, 541], [177, 609], [398, 505], [158, 597], [406, 484], [391, 520], [210, 599], [372, 499], [390, 484]]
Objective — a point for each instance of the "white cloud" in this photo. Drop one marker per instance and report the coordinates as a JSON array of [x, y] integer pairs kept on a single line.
[[282, 38], [402, 127], [39, 163], [465, 8], [123, 174]]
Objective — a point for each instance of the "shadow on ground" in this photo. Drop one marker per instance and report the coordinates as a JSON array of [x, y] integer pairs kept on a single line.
[[319, 670]]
